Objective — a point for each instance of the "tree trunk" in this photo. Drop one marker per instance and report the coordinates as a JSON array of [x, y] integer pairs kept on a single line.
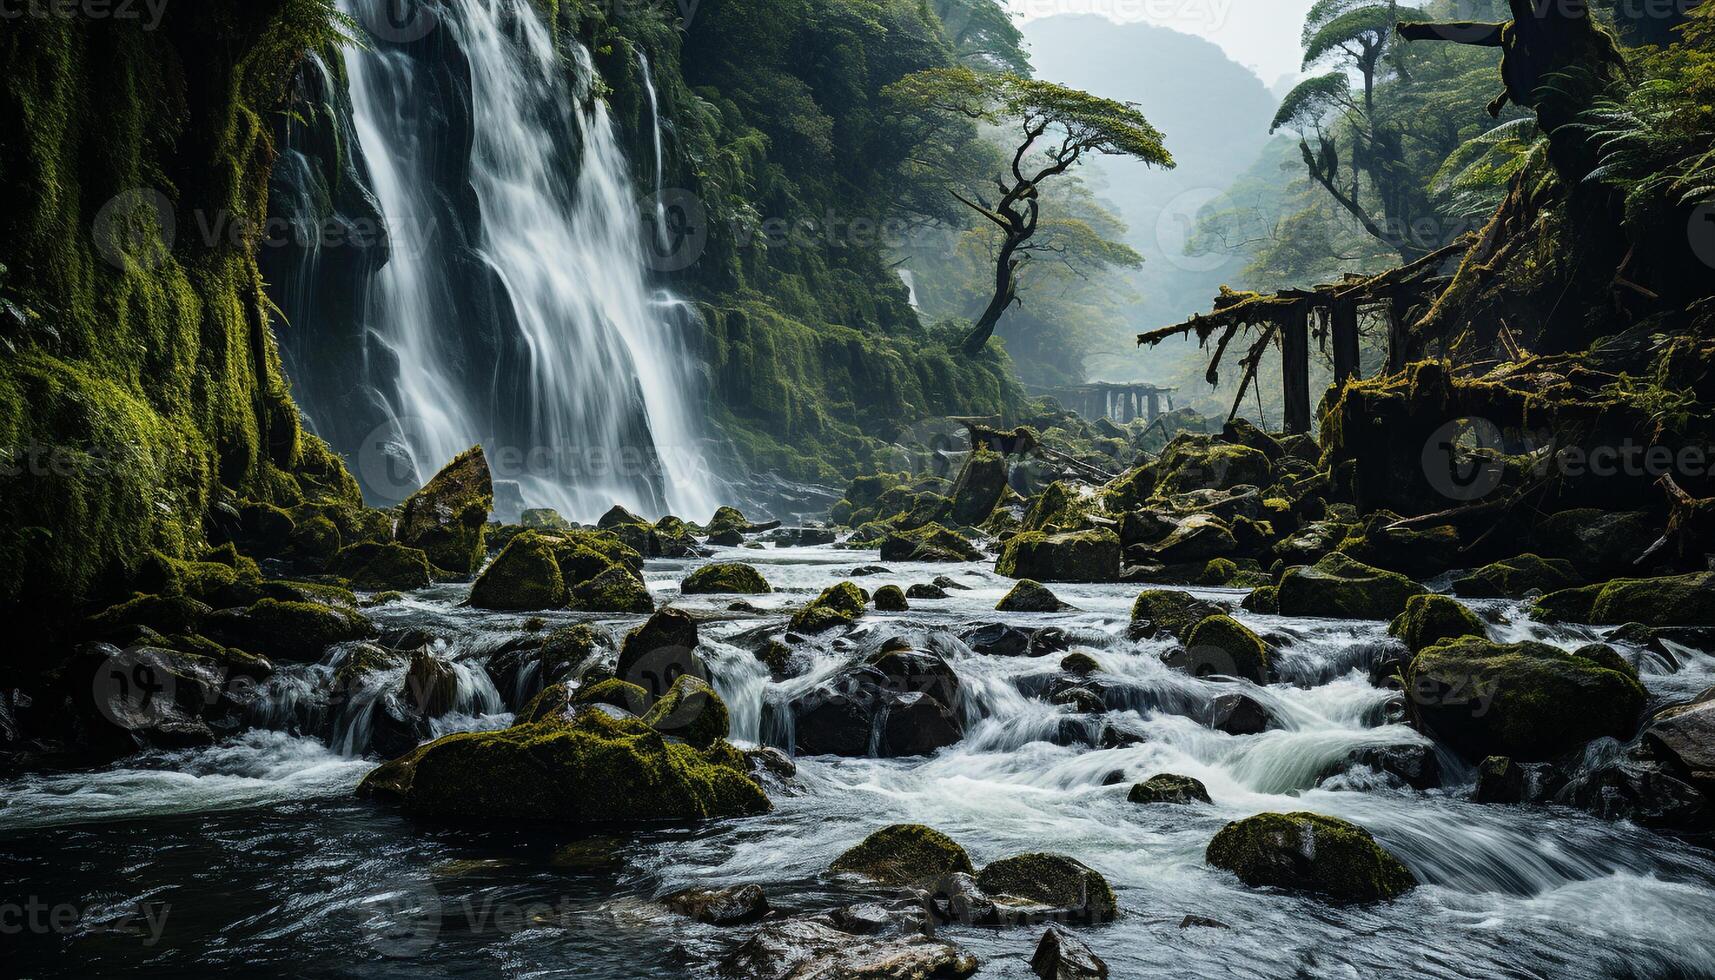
[[1295, 370]]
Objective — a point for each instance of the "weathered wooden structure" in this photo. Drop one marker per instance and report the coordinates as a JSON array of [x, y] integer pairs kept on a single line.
[[1118, 401]]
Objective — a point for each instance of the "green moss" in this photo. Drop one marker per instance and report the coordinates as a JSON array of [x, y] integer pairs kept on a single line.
[[164, 614], [1219, 571], [1159, 611], [838, 605], [375, 567], [1168, 788], [691, 710], [1130, 490], [1081, 664], [904, 854], [1310, 852], [1432, 619], [891, 598], [448, 517], [617, 590], [1529, 701], [615, 692], [1339, 587], [288, 630], [315, 538], [1226, 646], [1055, 881], [979, 489], [1574, 605], [930, 543], [525, 575], [1060, 507], [1030, 597], [1087, 556], [1263, 601], [1515, 578], [592, 769], [1683, 600], [723, 578], [1197, 462]]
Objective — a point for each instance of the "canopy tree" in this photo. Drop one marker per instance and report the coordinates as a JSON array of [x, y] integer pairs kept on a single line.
[[1057, 128]]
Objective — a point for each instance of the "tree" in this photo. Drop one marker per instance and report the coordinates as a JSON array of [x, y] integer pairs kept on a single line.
[[1058, 127]]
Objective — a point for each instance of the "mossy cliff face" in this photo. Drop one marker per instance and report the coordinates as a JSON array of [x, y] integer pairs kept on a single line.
[[144, 388]]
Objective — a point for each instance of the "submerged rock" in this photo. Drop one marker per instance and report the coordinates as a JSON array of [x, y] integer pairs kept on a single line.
[[903, 854], [1168, 788], [723, 578], [1529, 701], [1058, 956], [448, 517], [1309, 852], [592, 768], [1338, 587], [720, 906]]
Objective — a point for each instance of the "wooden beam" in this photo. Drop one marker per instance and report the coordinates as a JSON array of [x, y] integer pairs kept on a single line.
[[1295, 369], [1345, 337]]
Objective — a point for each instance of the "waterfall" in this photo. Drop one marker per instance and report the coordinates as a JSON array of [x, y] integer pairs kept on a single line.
[[660, 172], [515, 308]]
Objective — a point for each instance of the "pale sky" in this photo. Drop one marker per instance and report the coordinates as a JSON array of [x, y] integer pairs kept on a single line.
[[1259, 34]]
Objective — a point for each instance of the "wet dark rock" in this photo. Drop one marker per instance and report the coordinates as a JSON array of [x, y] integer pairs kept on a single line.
[[811, 947], [448, 517], [1118, 737], [839, 605], [720, 906], [1683, 737], [917, 724], [1169, 788], [663, 645], [1115, 778], [1340, 587], [906, 917], [1643, 792], [948, 583], [889, 598], [1239, 714], [1163, 612], [524, 576], [904, 854], [1081, 700], [1222, 646], [899, 704], [1431, 619], [1201, 922], [1080, 664], [1058, 956], [1597, 541], [924, 591], [1069, 891], [770, 764], [1414, 765], [863, 571], [1500, 780], [1085, 556], [1309, 852], [293, 631], [1031, 597], [930, 543]]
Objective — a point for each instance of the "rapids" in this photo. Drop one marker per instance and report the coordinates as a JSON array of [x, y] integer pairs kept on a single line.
[[260, 856]]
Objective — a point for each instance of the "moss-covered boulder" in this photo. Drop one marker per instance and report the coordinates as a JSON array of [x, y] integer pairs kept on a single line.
[[617, 590], [1169, 788], [1340, 587], [296, 631], [1223, 645], [979, 489], [523, 576], [669, 634], [1598, 542], [1085, 556], [930, 543], [891, 598], [164, 614], [727, 527], [1130, 490], [315, 538], [1264, 601], [1165, 612], [1080, 664], [838, 605], [615, 693], [724, 578], [1574, 605], [1680, 600], [1517, 577], [1308, 852], [1066, 886], [1059, 508], [1432, 619], [1194, 462], [447, 518], [589, 769], [1417, 552], [1196, 538], [690, 710], [904, 854], [378, 567], [1031, 597], [1529, 701]]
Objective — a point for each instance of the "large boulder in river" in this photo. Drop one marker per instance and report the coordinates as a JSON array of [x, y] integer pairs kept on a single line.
[[1084, 556], [448, 517], [1064, 888], [900, 703], [617, 590], [930, 543], [376, 566], [1678, 600], [1683, 737], [1164, 612], [1221, 645], [1515, 578], [979, 489], [1431, 619], [725, 578], [904, 854], [1031, 597], [1169, 788], [1339, 587], [657, 652], [1060, 956], [589, 769], [524, 576], [1196, 538], [294, 631], [692, 711], [1529, 701], [1308, 852], [1199, 462], [838, 605]]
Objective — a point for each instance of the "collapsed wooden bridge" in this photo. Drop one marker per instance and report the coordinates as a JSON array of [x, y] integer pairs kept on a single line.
[[1120, 402]]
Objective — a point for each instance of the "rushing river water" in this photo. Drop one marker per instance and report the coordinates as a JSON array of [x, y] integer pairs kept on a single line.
[[254, 855]]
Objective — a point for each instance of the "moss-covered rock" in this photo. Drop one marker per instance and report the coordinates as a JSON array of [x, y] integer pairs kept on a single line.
[[838, 605], [727, 527], [891, 598], [1517, 577], [1223, 645], [1195, 462], [617, 590], [315, 539], [375, 567], [904, 854], [1169, 788], [1196, 538], [723, 578], [1031, 597], [1130, 490], [525, 575], [1069, 887], [1309, 852], [1339, 587], [164, 614], [616, 693], [690, 710], [1432, 619], [1080, 664], [1418, 552], [1061, 507], [979, 489], [297, 631], [1264, 601], [930, 543], [1529, 701], [1166, 612], [448, 517], [670, 634], [1086, 556], [1681, 600], [590, 769], [1574, 605], [1598, 542]]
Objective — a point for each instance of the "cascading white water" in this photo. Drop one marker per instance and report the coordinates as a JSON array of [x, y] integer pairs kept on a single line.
[[660, 172], [604, 389]]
